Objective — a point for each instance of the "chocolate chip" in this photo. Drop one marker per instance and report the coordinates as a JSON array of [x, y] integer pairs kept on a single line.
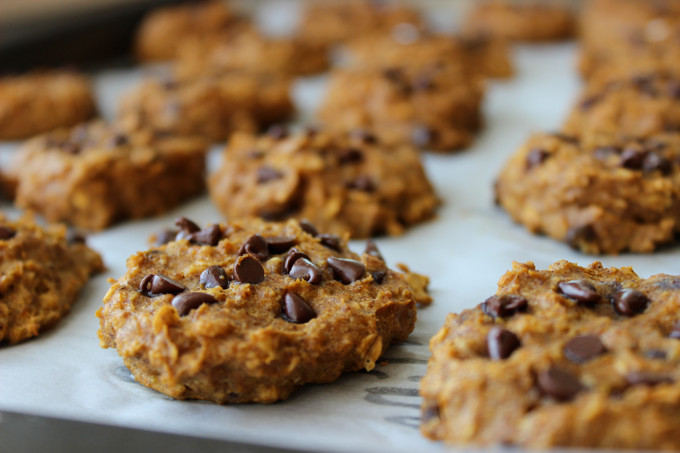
[[632, 158], [394, 75], [70, 148], [501, 343], [256, 246], [304, 269], [581, 291], [423, 136], [296, 309], [186, 302], [308, 227], [422, 82], [372, 249], [675, 333], [647, 378], [536, 157], [186, 227], [7, 233], [656, 354], [312, 131], [207, 236], [430, 413], [214, 277], [118, 139], [277, 132], [280, 244], [291, 257], [578, 235], [673, 89], [266, 174], [630, 302], [363, 135], [503, 306], [588, 102], [558, 383], [331, 241], [346, 270], [362, 182], [157, 284], [74, 236], [248, 270], [350, 156], [165, 236], [656, 162], [583, 348], [379, 276]]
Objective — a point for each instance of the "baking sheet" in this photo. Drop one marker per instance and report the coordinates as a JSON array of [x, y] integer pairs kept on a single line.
[[64, 373]]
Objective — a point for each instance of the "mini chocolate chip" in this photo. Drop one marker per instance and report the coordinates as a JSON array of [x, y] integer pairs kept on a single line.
[[582, 348], [350, 156], [536, 157], [346, 270], [207, 236], [632, 158], [266, 174], [157, 284], [291, 257], [647, 378], [331, 241], [579, 235], [656, 354], [214, 277], [74, 236], [581, 291], [363, 135], [505, 305], [423, 136], [558, 383], [379, 276], [280, 244], [277, 132], [186, 302], [248, 270], [501, 343], [654, 162], [119, 139], [256, 246], [7, 233], [186, 227], [372, 249], [630, 302], [296, 309], [308, 227], [304, 269], [165, 236], [362, 182]]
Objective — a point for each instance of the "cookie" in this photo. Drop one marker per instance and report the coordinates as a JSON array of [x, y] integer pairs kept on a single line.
[[437, 108], [564, 357], [602, 196], [251, 311], [65, 99], [163, 30], [327, 22], [212, 107], [529, 21], [640, 106], [97, 174], [342, 182], [42, 269]]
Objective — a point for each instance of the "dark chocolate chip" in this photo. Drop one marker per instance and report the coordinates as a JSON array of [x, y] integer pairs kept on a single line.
[[362, 182], [165, 236], [291, 257], [633, 158], [647, 378], [186, 227], [501, 343], [214, 277], [630, 302], [304, 269], [423, 136], [346, 270], [296, 309], [186, 302], [536, 157], [256, 246], [277, 132], [331, 241], [266, 174], [581, 291], [280, 244], [157, 284], [207, 236], [74, 236], [503, 306], [7, 233], [308, 227], [430, 413], [656, 162], [656, 354], [558, 383], [583, 348], [248, 270], [350, 156], [119, 139], [579, 235], [379, 276], [363, 135], [675, 333], [372, 249]]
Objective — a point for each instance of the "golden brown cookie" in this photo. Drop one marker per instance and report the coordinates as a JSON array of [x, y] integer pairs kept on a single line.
[[601, 196], [346, 182], [566, 357], [38, 102], [97, 174], [42, 272], [251, 311]]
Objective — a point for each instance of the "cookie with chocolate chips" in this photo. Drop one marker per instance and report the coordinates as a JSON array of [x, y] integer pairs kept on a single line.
[[342, 182], [97, 174], [42, 269], [564, 357], [249, 311], [601, 195]]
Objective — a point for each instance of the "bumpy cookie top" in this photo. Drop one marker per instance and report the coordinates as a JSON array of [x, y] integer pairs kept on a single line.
[[249, 311], [570, 356]]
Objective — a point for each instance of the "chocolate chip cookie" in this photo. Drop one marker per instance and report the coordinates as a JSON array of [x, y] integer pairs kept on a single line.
[[38, 102], [342, 182], [250, 311], [601, 196], [97, 174], [212, 107], [436, 108], [42, 271], [566, 357]]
